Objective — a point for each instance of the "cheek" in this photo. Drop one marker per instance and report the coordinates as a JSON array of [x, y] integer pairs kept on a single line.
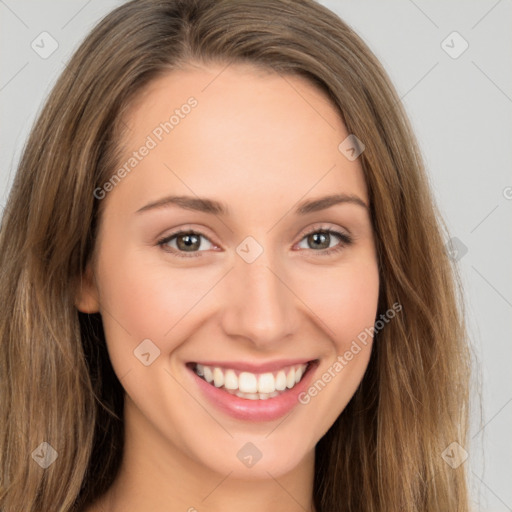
[[144, 299], [344, 298], [347, 305]]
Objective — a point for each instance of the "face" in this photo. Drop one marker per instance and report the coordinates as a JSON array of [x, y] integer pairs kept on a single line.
[[230, 313]]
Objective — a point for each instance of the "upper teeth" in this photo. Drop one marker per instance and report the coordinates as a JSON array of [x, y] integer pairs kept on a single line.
[[247, 382]]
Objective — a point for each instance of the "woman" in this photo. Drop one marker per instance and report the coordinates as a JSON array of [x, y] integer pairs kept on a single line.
[[223, 277]]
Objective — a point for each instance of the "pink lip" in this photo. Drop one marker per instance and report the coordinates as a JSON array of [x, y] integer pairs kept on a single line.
[[255, 410], [252, 367]]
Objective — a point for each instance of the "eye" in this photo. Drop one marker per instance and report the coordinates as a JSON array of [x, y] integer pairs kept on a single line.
[[185, 241], [322, 239], [189, 243]]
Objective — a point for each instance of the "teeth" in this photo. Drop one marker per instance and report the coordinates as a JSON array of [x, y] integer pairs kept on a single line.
[[218, 377], [281, 381], [250, 385], [247, 382], [208, 374], [266, 383], [250, 396], [230, 380], [290, 378]]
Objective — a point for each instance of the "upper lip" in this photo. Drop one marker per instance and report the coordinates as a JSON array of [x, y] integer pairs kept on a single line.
[[269, 366]]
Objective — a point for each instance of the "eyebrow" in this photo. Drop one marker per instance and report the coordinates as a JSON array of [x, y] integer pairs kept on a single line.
[[211, 206]]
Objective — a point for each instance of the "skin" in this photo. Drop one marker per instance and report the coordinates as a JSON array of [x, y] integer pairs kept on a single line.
[[260, 143]]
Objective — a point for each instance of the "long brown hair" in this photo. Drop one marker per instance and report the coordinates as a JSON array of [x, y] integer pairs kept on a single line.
[[384, 452]]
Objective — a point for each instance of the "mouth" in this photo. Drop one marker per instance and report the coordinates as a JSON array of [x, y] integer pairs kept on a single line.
[[252, 385], [253, 392]]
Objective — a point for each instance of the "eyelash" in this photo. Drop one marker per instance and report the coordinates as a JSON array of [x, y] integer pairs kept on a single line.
[[345, 240]]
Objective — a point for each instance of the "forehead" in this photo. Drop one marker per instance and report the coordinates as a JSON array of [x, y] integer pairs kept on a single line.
[[237, 130]]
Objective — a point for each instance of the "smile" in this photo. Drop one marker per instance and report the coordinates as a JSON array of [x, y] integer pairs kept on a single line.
[[252, 386], [251, 392]]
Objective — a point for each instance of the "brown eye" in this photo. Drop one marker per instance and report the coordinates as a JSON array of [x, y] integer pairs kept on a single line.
[[319, 240], [188, 242], [185, 242], [325, 241]]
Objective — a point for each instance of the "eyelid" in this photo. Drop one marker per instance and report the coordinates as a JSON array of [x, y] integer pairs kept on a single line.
[[342, 233], [188, 228], [163, 240], [346, 239], [323, 226]]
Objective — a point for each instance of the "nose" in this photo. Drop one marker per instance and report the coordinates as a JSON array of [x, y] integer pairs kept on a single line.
[[259, 304]]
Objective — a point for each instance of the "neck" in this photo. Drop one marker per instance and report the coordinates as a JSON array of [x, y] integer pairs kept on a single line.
[[158, 476]]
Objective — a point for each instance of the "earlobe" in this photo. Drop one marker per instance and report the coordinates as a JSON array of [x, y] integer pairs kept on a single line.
[[87, 300]]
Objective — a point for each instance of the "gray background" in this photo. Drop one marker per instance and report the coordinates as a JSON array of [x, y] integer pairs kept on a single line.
[[461, 111]]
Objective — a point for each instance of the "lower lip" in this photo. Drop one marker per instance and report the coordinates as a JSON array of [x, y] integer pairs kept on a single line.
[[255, 410]]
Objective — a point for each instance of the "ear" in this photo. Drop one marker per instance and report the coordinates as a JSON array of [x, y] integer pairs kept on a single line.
[[87, 298]]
